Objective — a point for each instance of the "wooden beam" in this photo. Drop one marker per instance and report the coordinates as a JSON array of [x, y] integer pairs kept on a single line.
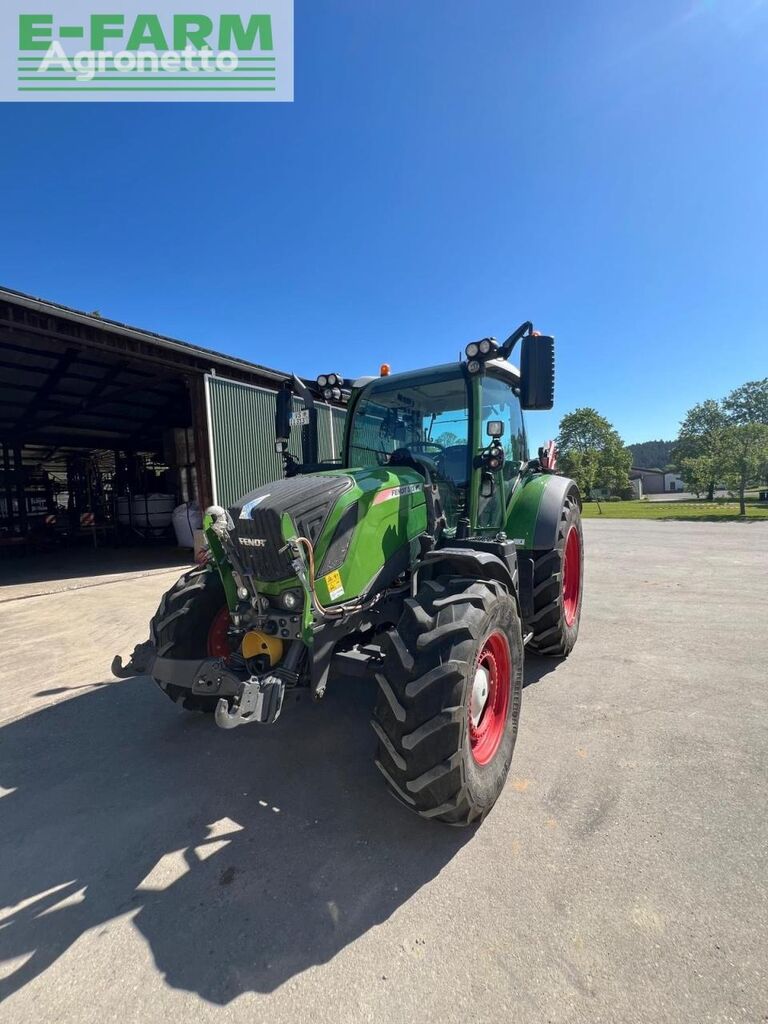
[[49, 385], [200, 438], [8, 484], [21, 497]]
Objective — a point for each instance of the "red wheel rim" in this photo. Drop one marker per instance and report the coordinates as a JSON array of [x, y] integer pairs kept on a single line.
[[218, 645], [571, 576], [488, 716]]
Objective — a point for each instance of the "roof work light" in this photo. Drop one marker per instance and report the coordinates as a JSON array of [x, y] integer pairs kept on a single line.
[[478, 352], [330, 384]]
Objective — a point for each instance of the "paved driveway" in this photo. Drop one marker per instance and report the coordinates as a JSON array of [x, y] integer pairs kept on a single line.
[[154, 868]]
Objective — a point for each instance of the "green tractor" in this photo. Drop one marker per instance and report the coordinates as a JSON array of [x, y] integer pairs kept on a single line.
[[427, 559]]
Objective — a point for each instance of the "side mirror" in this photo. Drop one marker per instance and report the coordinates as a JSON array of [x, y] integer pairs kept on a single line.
[[537, 372], [495, 428], [283, 414]]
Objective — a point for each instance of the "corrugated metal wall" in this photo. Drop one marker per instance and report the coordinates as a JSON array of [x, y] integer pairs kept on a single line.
[[242, 435], [338, 419]]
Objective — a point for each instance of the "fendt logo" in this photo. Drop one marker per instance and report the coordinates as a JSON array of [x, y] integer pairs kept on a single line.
[[138, 52]]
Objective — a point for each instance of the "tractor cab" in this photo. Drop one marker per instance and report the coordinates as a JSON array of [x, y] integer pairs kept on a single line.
[[461, 424], [465, 432]]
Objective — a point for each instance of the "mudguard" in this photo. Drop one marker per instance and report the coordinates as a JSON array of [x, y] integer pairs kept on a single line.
[[534, 513], [481, 565]]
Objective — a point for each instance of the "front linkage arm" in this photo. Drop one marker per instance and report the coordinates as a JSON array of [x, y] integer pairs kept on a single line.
[[139, 664]]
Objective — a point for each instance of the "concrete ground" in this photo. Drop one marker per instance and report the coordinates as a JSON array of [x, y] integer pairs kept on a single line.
[[154, 868], [75, 568]]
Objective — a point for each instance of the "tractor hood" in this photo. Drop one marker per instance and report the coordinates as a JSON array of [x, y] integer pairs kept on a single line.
[[356, 520], [308, 500]]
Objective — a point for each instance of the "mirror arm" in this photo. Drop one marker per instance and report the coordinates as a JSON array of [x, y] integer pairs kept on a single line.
[[303, 392], [505, 350], [309, 440]]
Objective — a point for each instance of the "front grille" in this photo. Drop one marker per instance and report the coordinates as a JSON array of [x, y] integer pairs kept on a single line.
[[262, 559], [257, 518]]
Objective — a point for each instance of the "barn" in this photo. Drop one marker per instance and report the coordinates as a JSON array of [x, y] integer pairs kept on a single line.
[[106, 429]]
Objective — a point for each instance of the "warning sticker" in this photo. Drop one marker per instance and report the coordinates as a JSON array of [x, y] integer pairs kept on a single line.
[[333, 582]]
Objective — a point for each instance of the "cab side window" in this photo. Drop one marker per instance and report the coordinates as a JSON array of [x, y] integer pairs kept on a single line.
[[501, 403]]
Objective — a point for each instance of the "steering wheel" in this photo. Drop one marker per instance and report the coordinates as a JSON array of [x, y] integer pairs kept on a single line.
[[423, 445], [406, 457]]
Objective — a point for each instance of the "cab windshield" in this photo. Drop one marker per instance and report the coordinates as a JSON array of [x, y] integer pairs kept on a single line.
[[430, 420]]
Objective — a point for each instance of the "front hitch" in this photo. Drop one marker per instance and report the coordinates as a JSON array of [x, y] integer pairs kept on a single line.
[[259, 700]]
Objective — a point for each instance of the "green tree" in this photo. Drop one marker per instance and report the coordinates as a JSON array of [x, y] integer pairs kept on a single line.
[[591, 451], [743, 457], [651, 454], [698, 446], [749, 403], [448, 438], [699, 472], [581, 467]]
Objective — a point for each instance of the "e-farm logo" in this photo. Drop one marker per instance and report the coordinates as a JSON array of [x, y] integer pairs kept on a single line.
[[134, 51]]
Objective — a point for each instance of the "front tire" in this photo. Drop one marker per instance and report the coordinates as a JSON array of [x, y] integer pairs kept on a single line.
[[190, 623], [450, 688]]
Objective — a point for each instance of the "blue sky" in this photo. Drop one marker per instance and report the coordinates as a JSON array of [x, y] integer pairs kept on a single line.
[[446, 171]]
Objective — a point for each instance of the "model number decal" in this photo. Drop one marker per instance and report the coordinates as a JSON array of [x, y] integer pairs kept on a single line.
[[396, 492]]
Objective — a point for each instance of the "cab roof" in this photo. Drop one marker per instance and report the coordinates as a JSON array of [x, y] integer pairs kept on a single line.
[[500, 368]]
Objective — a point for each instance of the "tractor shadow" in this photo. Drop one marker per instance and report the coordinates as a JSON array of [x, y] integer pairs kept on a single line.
[[537, 667], [243, 858]]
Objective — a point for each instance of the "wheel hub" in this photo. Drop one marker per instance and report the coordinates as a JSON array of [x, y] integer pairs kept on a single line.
[[480, 689], [489, 699], [217, 643]]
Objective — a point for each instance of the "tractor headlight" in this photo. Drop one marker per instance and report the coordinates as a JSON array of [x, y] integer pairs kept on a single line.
[[328, 394], [290, 600], [322, 381], [472, 350], [485, 346], [473, 366]]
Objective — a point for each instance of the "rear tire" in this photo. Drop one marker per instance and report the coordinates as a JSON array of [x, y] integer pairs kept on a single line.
[[434, 758], [187, 625], [558, 578]]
